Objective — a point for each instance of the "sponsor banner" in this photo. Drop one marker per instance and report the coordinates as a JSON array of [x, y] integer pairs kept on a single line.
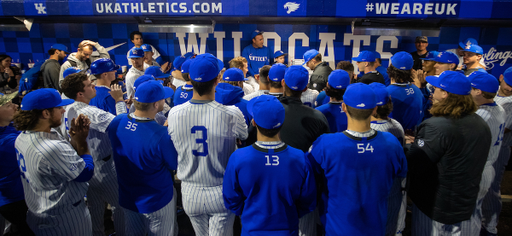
[[471, 9]]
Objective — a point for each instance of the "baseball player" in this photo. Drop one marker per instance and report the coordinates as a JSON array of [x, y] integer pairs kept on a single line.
[[361, 187], [185, 92], [408, 101], [230, 92], [397, 199], [205, 134], [104, 69], [136, 56], [335, 88], [366, 64], [54, 171], [276, 76], [12, 200], [447, 158], [263, 81], [484, 89], [157, 73], [145, 158], [176, 73], [491, 206], [103, 186], [160, 117], [308, 97], [148, 56], [269, 184]]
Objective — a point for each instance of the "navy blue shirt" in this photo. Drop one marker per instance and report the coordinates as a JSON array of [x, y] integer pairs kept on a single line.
[[104, 100], [183, 94], [408, 104], [336, 117], [11, 188]]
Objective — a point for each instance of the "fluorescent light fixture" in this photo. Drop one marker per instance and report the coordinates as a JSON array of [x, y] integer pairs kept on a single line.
[[176, 28], [26, 26]]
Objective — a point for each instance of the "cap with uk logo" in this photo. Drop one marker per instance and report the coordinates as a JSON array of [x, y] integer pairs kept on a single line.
[[136, 53], [447, 57]]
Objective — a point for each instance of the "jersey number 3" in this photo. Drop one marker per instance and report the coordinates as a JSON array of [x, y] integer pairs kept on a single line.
[[201, 140], [21, 164]]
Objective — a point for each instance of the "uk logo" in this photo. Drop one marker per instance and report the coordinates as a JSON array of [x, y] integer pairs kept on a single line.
[[41, 9], [291, 7]]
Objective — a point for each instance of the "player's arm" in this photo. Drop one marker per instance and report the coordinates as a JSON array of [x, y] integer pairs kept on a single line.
[[240, 127], [168, 151], [234, 199], [103, 52], [129, 86], [315, 157], [156, 56], [117, 94], [308, 194], [400, 164]]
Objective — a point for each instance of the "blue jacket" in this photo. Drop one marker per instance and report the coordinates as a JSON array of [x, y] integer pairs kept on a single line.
[[256, 58], [227, 94]]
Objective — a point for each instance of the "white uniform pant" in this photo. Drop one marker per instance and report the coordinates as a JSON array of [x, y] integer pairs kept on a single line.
[[76, 222], [422, 225], [397, 208], [205, 208], [159, 223], [104, 188], [491, 206], [308, 223]]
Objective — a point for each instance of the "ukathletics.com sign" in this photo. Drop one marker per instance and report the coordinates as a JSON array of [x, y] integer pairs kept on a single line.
[[158, 8]]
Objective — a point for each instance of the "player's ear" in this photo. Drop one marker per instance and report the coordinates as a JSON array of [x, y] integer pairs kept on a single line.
[[282, 83], [253, 123], [374, 111], [46, 114], [344, 107], [501, 77]]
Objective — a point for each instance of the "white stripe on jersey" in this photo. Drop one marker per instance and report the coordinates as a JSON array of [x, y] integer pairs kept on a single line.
[[506, 103], [204, 134], [494, 116], [132, 75], [392, 126], [308, 97], [255, 94], [48, 165]]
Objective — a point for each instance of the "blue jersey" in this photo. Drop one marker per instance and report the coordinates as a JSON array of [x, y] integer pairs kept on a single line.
[[227, 94], [144, 156], [408, 103], [183, 94], [320, 99], [270, 185], [383, 71], [256, 58], [104, 100], [11, 189], [335, 116], [358, 174]]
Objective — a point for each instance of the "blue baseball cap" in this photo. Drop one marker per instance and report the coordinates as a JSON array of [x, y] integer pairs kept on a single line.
[[256, 33], [296, 78], [188, 55], [178, 62], [452, 82], [142, 79], [146, 48], [365, 56], [259, 108], [233, 74], [381, 93], [136, 53], [276, 72], [69, 71], [473, 48], [430, 56], [339, 79], [206, 68], [44, 98], [377, 55], [507, 76], [221, 64], [360, 96], [468, 41], [186, 66], [309, 54], [402, 60], [279, 53], [447, 57], [152, 91], [103, 65], [156, 72], [484, 81], [61, 47]]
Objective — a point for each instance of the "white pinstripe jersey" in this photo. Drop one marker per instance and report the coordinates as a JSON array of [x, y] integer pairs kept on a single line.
[[48, 165], [392, 126], [494, 116], [132, 75], [204, 134], [97, 140], [308, 97], [506, 103], [248, 97]]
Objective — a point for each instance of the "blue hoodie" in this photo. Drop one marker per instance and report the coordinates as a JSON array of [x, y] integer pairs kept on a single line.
[[227, 94], [256, 58]]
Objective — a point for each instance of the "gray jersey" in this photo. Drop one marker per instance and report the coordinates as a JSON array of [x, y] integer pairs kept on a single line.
[[255, 94], [392, 126], [506, 103], [48, 165], [132, 75], [204, 134], [494, 116], [308, 97]]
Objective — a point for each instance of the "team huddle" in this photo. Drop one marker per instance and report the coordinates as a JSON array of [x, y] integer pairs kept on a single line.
[[295, 154]]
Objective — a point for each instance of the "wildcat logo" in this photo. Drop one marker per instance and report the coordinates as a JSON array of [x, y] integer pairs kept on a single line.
[[291, 7], [41, 9]]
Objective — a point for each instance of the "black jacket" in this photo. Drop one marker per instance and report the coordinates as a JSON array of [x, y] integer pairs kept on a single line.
[[302, 124], [445, 164], [318, 79]]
